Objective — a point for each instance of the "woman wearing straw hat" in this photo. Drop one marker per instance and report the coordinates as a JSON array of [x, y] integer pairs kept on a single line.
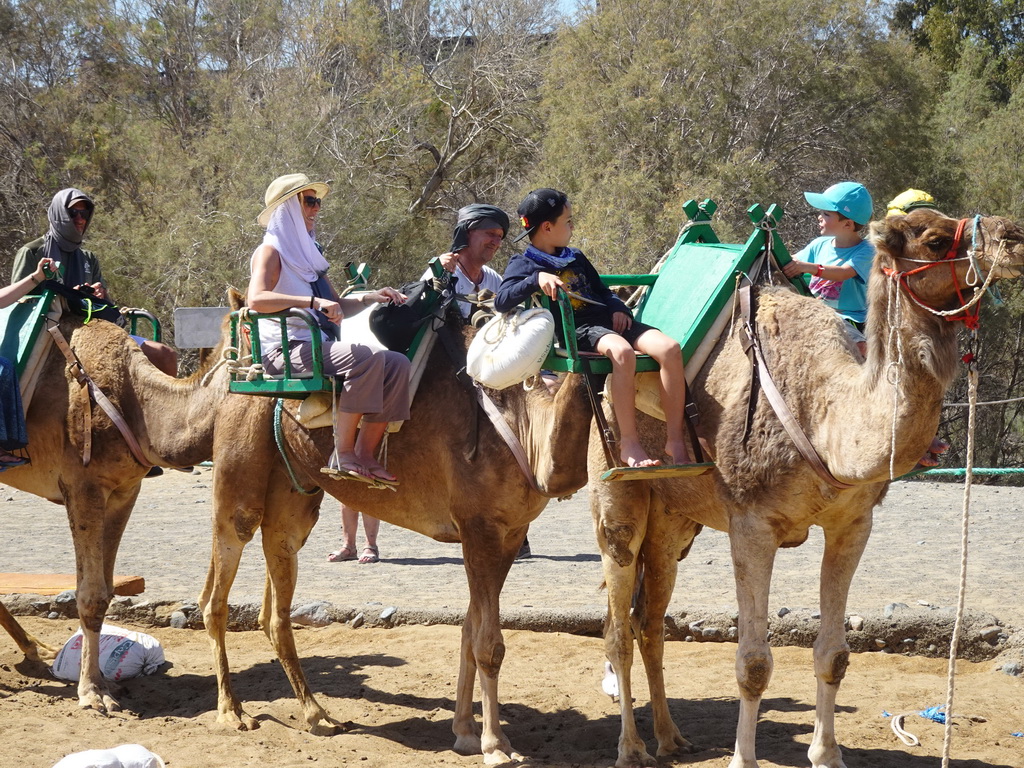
[[289, 271]]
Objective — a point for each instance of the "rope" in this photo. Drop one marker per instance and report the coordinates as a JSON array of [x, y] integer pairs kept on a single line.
[[894, 316], [902, 733], [987, 402], [972, 396], [232, 358], [279, 439]]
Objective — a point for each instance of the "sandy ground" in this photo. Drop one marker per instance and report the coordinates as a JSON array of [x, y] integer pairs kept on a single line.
[[396, 686]]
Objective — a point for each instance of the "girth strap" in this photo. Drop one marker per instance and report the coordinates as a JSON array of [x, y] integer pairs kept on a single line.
[[89, 389], [752, 346]]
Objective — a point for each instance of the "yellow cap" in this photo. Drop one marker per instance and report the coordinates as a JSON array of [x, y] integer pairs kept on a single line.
[[907, 201]]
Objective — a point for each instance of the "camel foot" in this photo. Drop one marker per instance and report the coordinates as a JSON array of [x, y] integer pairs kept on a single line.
[[637, 759], [498, 757], [738, 762], [467, 744], [99, 702], [238, 721], [325, 726], [41, 652], [676, 745]]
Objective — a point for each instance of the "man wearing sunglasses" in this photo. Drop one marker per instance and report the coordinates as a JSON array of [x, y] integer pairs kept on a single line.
[[69, 215]]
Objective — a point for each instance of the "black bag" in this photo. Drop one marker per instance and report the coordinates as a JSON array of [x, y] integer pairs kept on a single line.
[[396, 325], [85, 304]]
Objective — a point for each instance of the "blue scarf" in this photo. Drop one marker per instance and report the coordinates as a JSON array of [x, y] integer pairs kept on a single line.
[[559, 261]]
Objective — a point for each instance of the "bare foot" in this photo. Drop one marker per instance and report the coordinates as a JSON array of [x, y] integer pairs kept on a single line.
[[678, 453], [633, 455], [376, 470]]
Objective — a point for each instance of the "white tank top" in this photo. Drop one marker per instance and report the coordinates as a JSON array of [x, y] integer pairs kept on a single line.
[[292, 284]]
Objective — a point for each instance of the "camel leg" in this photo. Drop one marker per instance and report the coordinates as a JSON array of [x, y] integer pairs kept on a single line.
[[620, 523], [843, 550], [33, 649], [667, 541], [233, 528], [753, 556], [286, 524], [97, 523], [488, 552]]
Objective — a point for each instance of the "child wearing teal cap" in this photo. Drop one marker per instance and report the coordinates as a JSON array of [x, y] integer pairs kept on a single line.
[[839, 261]]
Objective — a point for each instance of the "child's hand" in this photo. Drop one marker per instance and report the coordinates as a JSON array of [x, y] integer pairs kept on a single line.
[[797, 268], [45, 264], [549, 284], [621, 321]]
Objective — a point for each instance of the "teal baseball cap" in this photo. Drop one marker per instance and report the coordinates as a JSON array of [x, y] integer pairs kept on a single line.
[[848, 198]]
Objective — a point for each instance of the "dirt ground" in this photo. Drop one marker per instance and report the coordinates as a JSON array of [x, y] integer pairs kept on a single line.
[[395, 687]]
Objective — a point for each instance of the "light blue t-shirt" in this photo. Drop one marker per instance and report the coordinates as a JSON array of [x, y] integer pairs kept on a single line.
[[853, 295]]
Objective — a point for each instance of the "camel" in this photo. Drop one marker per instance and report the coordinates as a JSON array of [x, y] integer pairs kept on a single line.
[[485, 503], [858, 414], [172, 420]]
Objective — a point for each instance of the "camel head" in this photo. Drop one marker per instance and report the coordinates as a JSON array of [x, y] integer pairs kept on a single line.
[[925, 249]]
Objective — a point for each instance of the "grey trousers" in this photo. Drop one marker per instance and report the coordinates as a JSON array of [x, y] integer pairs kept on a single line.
[[376, 384]]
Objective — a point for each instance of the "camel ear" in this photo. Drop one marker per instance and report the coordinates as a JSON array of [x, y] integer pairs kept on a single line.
[[890, 235], [235, 299]]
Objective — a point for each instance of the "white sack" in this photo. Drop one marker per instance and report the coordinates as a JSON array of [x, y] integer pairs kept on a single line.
[[124, 756], [123, 654], [510, 348]]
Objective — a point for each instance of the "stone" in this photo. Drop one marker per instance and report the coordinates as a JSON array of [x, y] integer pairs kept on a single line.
[[712, 633], [312, 614], [857, 623], [53, 615], [65, 597], [1014, 668], [732, 633], [892, 608], [178, 620], [816, 615], [358, 621], [879, 643], [388, 612], [990, 634], [783, 611], [40, 605]]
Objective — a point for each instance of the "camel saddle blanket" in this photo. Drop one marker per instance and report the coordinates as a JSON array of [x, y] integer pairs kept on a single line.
[[691, 301], [315, 410], [22, 340]]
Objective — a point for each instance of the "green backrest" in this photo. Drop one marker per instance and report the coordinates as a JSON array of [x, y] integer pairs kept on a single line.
[[20, 326]]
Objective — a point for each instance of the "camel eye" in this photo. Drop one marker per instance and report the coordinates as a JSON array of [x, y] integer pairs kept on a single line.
[[938, 243]]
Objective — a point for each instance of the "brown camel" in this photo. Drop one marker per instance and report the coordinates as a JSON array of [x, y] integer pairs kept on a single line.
[[858, 414], [173, 422], [485, 503]]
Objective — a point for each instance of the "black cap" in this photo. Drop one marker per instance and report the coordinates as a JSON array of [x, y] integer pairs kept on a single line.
[[539, 206], [477, 216]]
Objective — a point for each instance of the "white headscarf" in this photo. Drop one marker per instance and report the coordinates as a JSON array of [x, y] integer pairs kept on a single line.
[[287, 234]]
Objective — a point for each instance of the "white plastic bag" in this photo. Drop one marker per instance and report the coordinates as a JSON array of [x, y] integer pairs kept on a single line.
[[123, 654], [124, 756], [510, 347]]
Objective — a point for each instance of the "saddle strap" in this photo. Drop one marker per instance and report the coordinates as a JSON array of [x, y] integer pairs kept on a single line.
[[89, 389], [505, 433], [752, 346]]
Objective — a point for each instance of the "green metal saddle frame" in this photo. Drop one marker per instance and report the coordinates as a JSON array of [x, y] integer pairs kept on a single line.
[[685, 297], [292, 384]]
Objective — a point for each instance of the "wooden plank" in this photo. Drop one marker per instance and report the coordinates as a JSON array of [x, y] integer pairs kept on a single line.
[[55, 583], [657, 472]]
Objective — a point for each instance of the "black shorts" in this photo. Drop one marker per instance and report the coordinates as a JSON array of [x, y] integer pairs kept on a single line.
[[587, 336]]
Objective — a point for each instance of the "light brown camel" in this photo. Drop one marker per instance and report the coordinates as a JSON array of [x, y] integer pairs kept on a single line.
[[485, 503], [764, 494], [173, 422]]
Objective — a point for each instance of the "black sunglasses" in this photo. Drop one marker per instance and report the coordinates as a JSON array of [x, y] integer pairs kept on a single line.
[[76, 213], [310, 201]]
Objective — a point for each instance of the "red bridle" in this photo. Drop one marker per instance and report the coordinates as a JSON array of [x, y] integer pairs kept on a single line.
[[968, 315]]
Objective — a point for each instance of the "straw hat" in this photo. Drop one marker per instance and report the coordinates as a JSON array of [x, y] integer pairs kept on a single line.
[[283, 187]]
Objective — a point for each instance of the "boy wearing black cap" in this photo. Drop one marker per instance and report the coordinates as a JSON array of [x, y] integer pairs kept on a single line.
[[603, 322]]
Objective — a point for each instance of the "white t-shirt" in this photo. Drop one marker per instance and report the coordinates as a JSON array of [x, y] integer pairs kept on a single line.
[[491, 280]]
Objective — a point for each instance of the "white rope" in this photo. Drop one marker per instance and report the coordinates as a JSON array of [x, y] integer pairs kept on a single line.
[[231, 357], [902, 733], [972, 396], [987, 402], [894, 316]]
